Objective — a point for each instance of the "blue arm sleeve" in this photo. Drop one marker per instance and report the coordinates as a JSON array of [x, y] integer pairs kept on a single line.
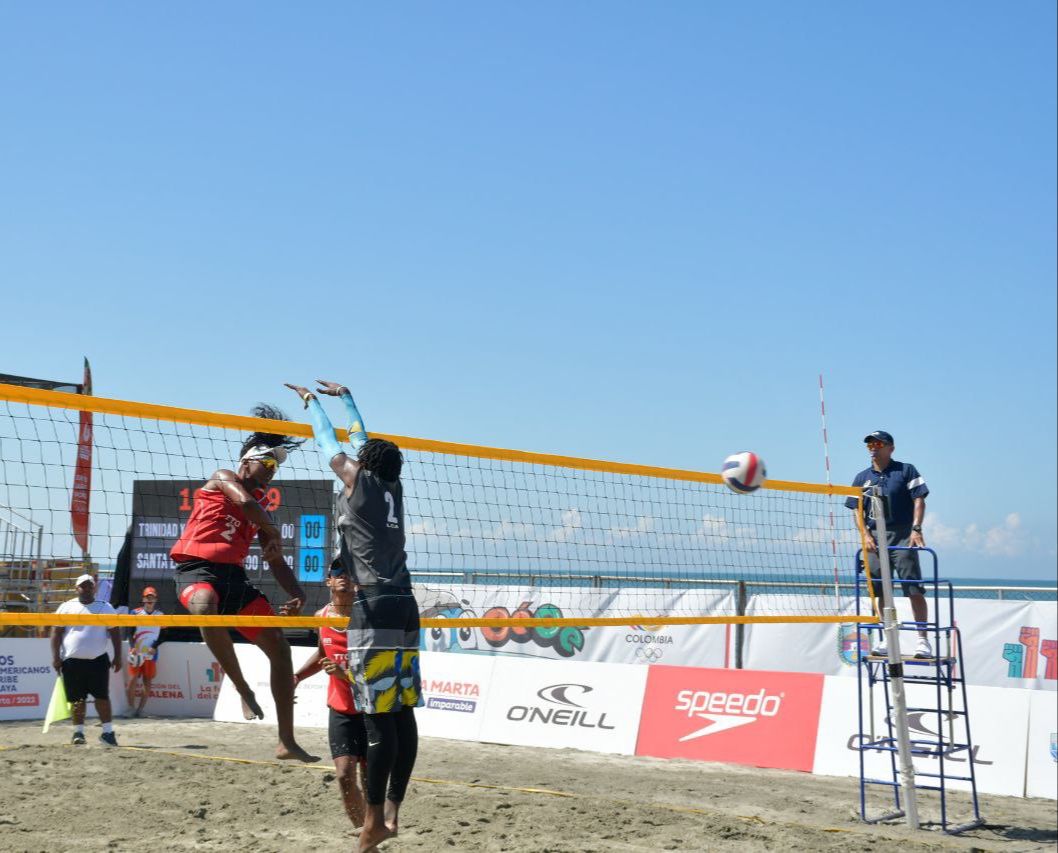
[[322, 430], [357, 434]]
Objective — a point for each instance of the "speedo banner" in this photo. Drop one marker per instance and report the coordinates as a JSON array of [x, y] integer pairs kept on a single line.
[[764, 719]]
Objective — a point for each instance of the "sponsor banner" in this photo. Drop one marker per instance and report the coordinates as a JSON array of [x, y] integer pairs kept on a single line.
[[828, 649], [27, 679], [81, 493], [765, 719], [310, 707], [1042, 770], [186, 684], [998, 723], [1010, 644], [455, 689], [643, 644], [1005, 643], [590, 706]]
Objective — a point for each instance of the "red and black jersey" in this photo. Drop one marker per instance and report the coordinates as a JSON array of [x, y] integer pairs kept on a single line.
[[334, 644], [216, 531]]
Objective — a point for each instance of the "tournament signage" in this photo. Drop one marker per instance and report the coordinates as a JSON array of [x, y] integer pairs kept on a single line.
[[455, 689], [27, 679], [300, 509], [589, 706], [765, 719]]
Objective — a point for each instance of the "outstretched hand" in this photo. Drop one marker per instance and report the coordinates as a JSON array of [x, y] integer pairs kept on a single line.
[[292, 607], [303, 392], [331, 389]]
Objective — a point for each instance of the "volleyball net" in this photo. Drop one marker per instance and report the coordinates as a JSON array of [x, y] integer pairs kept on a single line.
[[495, 538]]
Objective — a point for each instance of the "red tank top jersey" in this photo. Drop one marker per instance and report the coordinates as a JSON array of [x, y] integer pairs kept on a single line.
[[216, 531], [334, 644]]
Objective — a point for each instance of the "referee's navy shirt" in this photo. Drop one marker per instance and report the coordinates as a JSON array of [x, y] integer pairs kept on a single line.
[[901, 484]]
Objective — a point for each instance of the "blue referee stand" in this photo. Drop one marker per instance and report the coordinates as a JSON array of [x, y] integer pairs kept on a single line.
[[938, 721]]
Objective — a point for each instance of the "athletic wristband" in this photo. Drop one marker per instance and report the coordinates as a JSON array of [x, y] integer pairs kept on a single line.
[[322, 430]]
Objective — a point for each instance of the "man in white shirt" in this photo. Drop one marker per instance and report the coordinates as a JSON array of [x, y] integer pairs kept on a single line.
[[79, 653]]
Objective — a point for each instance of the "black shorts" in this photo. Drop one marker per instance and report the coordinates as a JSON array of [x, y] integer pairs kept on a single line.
[[229, 581], [347, 734], [904, 564], [83, 677], [235, 595]]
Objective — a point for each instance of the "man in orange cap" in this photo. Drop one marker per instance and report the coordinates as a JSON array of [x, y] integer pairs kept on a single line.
[[143, 652]]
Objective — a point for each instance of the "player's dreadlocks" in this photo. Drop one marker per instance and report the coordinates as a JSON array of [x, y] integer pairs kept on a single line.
[[382, 457], [270, 439]]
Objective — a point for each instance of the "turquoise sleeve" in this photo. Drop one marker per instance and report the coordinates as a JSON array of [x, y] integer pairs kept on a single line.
[[322, 430], [357, 433]]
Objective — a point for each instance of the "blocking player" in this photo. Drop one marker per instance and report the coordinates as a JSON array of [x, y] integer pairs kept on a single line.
[[143, 652], [210, 578], [383, 636], [345, 725]]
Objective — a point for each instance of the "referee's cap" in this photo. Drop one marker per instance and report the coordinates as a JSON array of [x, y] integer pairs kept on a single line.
[[879, 435]]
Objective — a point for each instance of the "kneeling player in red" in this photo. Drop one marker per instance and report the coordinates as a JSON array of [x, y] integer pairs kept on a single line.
[[345, 725], [210, 578]]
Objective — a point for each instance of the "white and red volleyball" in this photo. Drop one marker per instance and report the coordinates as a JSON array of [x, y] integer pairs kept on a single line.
[[744, 472]]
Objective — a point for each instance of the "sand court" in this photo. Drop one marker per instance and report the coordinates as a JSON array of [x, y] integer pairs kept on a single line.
[[200, 785]]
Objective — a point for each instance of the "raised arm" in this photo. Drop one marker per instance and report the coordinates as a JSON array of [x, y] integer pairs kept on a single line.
[[344, 466]]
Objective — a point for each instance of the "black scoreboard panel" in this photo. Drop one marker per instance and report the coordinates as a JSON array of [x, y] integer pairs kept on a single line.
[[300, 509]]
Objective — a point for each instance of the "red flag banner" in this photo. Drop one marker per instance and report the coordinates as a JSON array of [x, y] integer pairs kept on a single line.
[[82, 477]]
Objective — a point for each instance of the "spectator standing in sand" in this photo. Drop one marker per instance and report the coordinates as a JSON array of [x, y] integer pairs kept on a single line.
[[79, 654], [143, 652]]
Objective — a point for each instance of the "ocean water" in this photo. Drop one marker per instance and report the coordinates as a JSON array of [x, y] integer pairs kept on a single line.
[[772, 583]]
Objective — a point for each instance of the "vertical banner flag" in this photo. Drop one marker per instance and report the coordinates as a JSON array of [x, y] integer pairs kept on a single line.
[[82, 477]]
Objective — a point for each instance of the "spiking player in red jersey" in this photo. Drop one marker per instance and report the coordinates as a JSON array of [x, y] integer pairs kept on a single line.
[[345, 725], [210, 578]]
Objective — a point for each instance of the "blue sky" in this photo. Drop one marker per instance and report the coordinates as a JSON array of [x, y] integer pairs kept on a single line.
[[601, 229]]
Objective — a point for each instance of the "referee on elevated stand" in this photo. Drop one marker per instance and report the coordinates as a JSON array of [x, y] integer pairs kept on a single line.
[[904, 491]]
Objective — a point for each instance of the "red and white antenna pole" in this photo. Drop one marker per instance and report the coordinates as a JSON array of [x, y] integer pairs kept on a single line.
[[826, 460]]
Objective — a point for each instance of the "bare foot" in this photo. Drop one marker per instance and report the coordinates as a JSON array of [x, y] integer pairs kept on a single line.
[[250, 708], [295, 753], [369, 839], [392, 820]]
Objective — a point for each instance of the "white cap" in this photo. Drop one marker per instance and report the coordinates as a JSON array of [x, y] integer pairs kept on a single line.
[[84, 578], [260, 450]]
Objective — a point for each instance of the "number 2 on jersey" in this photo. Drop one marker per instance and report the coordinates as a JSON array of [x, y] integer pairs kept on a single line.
[[391, 520]]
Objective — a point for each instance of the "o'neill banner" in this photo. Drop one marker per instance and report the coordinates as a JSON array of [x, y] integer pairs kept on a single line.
[[82, 476]]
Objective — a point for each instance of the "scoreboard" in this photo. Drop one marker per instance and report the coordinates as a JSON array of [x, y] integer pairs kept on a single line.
[[301, 510]]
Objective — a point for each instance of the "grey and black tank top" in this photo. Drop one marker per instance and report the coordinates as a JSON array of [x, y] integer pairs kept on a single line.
[[371, 532]]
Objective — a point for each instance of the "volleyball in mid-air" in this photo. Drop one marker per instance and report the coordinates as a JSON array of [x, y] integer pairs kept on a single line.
[[744, 472]]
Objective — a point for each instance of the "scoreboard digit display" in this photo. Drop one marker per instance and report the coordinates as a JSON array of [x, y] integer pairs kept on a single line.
[[300, 509]]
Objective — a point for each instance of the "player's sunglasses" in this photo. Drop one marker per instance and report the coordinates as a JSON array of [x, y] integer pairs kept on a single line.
[[875, 445], [148, 598], [268, 462]]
